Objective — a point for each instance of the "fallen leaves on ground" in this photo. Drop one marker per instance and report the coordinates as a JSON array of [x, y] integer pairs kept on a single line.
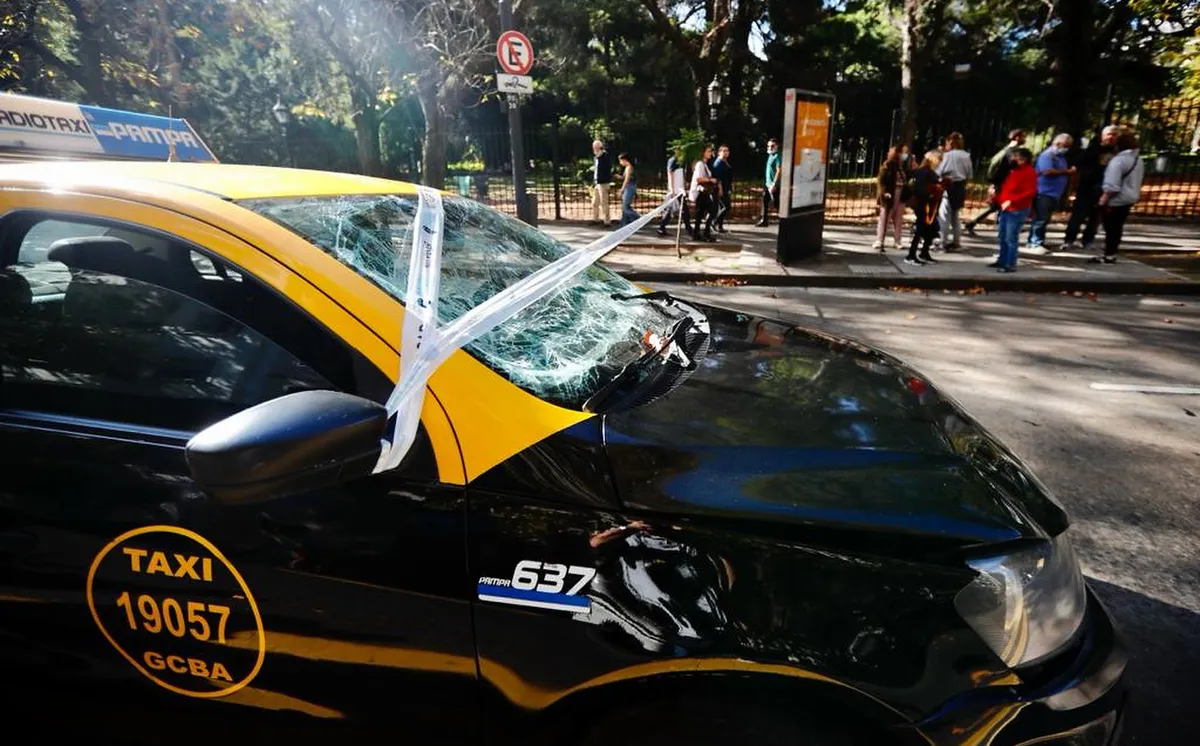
[[725, 282], [977, 290], [902, 289]]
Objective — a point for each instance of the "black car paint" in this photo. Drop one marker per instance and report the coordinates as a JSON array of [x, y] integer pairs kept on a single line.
[[762, 570], [800, 506]]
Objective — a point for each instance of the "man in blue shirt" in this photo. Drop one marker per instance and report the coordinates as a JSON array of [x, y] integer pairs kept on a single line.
[[1054, 175], [771, 186], [724, 173]]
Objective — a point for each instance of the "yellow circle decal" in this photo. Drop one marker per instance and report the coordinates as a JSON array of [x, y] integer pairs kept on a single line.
[[169, 601]]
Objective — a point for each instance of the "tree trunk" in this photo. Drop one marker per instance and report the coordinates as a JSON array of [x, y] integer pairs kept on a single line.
[[909, 28], [703, 55], [1072, 63], [175, 93], [739, 63], [366, 132], [90, 54], [699, 98], [433, 151]]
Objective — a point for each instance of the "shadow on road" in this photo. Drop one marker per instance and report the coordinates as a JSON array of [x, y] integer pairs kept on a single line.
[[1164, 658]]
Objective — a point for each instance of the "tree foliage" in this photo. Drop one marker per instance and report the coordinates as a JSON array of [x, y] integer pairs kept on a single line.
[[390, 86]]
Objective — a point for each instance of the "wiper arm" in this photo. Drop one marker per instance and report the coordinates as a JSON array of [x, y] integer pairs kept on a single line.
[[665, 348], [662, 295]]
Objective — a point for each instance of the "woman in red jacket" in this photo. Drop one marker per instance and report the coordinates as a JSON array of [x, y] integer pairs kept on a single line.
[[1015, 200]]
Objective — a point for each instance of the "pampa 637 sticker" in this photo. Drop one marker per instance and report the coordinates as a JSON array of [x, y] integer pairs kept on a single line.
[[541, 585]]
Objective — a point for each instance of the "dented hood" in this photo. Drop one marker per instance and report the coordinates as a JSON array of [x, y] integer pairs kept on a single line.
[[788, 425]]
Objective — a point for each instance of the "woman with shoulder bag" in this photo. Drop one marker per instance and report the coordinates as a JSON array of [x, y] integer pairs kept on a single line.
[[1122, 188], [927, 198], [892, 195]]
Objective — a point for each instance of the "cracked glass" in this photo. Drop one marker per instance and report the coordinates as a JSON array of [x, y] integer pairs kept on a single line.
[[562, 348]]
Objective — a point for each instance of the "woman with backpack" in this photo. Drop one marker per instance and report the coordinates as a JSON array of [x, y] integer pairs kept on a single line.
[[892, 194], [1122, 188], [927, 195]]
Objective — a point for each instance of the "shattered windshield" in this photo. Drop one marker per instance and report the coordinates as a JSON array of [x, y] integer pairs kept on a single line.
[[562, 348]]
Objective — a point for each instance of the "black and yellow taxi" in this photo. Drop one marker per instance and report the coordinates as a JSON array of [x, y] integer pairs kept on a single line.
[[776, 537]]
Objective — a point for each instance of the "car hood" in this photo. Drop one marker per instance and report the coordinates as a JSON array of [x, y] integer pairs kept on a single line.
[[791, 426]]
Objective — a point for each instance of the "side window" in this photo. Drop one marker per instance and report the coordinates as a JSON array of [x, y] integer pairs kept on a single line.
[[119, 325], [113, 323]]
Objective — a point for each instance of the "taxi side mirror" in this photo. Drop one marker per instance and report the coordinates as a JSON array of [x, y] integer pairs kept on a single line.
[[298, 442]]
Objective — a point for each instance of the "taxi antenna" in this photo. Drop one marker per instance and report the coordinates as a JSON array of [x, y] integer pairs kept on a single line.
[[172, 156]]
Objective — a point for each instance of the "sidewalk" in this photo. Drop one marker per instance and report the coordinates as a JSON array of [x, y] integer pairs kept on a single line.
[[746, 255]]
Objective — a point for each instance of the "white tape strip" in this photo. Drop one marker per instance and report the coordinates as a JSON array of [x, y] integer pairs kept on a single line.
[[424, 345]]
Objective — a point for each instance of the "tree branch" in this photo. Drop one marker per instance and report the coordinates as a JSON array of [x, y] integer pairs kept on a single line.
[[82, 22], [671, 31], [1116, 21], [74, 71], [349, 69]]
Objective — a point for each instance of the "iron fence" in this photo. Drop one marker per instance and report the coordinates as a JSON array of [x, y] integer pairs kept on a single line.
[[558, 175]]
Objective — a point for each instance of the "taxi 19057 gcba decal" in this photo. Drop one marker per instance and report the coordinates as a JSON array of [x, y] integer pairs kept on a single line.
[[170, 602]]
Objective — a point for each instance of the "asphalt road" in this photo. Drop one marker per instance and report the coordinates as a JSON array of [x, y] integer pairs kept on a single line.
[[1126, 465]]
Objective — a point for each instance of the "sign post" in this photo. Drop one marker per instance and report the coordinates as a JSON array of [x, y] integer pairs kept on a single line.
[[807, 141], [515, 55]]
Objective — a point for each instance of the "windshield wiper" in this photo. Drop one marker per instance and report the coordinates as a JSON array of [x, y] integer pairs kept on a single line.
[[673, 362]]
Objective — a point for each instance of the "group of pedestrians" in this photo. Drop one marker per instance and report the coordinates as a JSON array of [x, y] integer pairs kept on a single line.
[[708, 191], [704, 188], [602, 176], [1108, 173]]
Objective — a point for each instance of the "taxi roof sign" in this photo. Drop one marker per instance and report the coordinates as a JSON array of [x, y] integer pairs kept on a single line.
[[39, 126]]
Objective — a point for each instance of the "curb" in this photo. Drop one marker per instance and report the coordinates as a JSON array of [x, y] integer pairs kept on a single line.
[[987, 283]]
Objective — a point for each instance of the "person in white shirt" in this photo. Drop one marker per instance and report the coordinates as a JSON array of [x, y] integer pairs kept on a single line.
[[1122, 189], [703, 193], [955, 170], [676, 185]]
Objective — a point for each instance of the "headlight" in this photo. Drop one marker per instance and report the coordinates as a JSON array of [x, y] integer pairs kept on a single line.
[[1028, 604]]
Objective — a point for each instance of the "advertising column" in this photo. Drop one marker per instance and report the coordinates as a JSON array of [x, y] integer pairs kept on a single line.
[[808, 130]]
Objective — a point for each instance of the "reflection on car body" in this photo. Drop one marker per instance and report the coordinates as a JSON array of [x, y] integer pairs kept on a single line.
[[625, 517]]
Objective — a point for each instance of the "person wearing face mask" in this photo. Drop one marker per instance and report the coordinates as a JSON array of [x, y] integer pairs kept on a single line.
[[1053, 177], [770, 198], [1092, 163]]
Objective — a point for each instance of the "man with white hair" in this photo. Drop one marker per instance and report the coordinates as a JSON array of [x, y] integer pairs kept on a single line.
[[1053, 177], [601, 182], [1085, 214]]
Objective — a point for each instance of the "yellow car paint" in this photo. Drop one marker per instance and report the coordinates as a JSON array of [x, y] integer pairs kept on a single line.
[[490, 418]]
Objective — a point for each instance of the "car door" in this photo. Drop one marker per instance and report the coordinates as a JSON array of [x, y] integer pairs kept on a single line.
[[153, 613]]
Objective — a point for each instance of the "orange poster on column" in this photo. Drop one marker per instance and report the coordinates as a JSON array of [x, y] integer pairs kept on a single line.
[[808, 153]]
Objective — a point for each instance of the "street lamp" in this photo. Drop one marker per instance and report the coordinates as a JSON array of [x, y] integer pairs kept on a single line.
[[283, 116], [714, 99]]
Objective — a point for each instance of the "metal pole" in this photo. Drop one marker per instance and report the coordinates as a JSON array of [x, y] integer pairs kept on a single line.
[[554, 165], [514, 129]]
